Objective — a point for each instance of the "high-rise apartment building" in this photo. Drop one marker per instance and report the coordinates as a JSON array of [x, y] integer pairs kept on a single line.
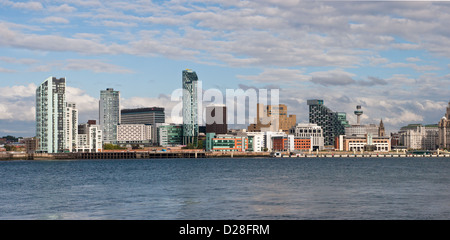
[[190, 107], [216, 119], [332, 123], [51, 115], [71, 127], [109, 114], [272, 118]]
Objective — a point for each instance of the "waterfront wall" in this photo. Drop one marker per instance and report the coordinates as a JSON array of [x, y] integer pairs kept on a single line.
[[190, 154]]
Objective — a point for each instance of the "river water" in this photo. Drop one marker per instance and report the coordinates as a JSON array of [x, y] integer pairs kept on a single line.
[[227, 188]]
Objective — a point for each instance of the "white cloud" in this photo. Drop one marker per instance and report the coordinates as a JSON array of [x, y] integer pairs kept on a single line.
[[65, 8], [278, 76], [17, 103], [54, 19], [333, 77], [35, 6], [96, 66]]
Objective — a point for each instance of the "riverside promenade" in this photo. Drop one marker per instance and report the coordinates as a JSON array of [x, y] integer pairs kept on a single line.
[[202, 154]]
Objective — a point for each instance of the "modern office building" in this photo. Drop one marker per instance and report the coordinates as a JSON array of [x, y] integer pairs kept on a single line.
[[134, 134], [216, 119], [109, 114], [228, 142], [258, 141], [333, 123], [363, 143], [150, 115], [362, 130], [170, 134], [291, 143], [51, 115], [272, 118], [190, 107], [310, 131]]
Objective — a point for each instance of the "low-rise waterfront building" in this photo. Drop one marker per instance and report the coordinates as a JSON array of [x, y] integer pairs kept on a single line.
[[170, 135], [89, 138], [310, 131], [360, 143], [418, 136], [444, 130], [134, 134], [290, 143], [228, 143]]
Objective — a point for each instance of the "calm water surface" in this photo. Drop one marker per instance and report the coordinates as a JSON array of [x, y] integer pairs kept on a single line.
[[232, 188]]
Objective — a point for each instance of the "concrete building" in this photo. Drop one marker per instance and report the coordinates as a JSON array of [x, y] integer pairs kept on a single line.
[[190, 107], [89, 138], [51, 115], [290, 143], [258, 142], [31, 144], [418, 136], [272, 118], [359, 143], [134, 134], [444, 130], [228, 143], [310, 131], [71, 127], [109, 114], [150, 115]]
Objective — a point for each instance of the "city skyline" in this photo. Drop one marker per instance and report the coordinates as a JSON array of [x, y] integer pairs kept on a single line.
[[390, 57]]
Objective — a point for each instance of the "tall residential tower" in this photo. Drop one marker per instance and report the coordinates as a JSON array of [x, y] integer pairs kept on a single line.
[[51, 115], [109, 114], [190, 107]]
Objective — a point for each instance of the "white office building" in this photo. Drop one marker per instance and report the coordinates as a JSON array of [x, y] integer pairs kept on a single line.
[[312, 131], [134, 133]]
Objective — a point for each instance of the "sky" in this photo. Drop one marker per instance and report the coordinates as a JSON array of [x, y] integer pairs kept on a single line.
[[390, 57]]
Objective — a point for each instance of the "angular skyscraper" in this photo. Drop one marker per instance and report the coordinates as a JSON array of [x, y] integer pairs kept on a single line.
[[51, 115], [109, 114], [190, 107], [332, 123]]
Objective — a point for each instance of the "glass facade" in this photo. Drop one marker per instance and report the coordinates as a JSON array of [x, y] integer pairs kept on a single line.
[[109, 114], [170, 135], [190, 107], [333, 123]]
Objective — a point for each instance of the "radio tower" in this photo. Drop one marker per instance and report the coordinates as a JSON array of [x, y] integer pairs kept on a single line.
[[358, 114]]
